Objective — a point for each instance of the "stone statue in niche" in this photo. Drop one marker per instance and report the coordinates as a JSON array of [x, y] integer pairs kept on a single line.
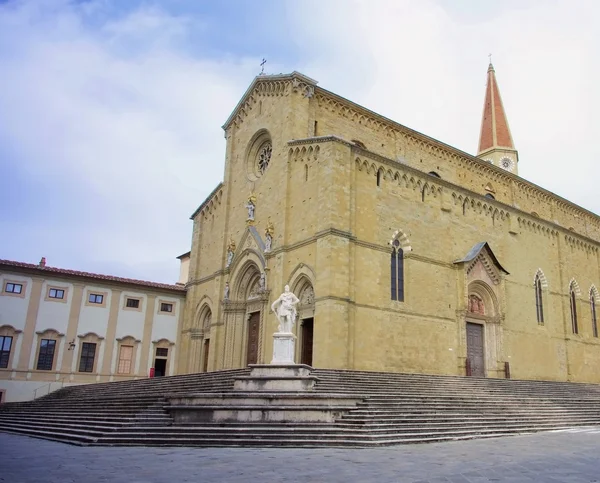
[[476, 305], [269, 236], [226, 291], [230, 252], [285, 310], [262, 283], [251, 207]]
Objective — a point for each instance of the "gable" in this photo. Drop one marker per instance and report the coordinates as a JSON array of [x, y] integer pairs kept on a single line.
[[481, 263]]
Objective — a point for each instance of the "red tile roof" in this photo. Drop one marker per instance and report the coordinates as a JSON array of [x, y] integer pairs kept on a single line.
[[10, 264]]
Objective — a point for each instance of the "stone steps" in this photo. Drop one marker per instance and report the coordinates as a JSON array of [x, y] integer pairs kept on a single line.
[[374, 409], [313, 439]]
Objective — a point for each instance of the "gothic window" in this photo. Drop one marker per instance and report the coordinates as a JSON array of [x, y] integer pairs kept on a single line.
[[397, 272], [258, 155], [573, 300], [264, 157], [594, 315], [379, 173], [539, 302]]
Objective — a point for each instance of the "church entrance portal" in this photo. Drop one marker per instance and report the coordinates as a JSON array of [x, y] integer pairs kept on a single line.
[[253, 334], [206, 349], [475, 352], [306, 353]]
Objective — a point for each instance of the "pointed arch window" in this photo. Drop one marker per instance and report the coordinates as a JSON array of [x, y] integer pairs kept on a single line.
[[397, 272], [573, 300], [539, 300], [594, 314]]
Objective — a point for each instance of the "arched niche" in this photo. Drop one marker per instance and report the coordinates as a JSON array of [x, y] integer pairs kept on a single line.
[[481, 300]]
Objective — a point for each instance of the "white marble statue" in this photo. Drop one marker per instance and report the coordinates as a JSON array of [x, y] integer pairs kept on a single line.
[[251, 207], [286, 310], [226, 292]]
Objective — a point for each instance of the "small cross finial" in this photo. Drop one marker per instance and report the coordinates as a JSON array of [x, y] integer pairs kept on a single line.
[[490, 57], [262, 65]]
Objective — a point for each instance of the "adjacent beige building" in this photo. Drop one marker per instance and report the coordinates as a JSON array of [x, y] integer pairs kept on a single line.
[[406, 253], [60, 327]]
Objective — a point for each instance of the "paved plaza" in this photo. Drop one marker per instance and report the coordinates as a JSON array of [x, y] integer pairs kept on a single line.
[[568, 457]]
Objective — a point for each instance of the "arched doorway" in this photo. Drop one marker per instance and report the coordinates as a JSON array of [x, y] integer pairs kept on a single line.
[[244, 317], [480, 329], [248, 292], [205, 323], [306, 316]]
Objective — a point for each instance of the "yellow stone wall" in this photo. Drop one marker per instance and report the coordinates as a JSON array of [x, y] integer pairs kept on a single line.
[[333, 227]]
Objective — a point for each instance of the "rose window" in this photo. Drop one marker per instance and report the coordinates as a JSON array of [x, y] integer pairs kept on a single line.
[[264, 157]]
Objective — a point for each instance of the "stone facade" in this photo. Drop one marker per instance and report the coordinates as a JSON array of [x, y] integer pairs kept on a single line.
[[342, 191]]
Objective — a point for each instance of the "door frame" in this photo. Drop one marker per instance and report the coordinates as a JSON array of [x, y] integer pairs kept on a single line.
[[246, 337], [301, 340], [475, 321]]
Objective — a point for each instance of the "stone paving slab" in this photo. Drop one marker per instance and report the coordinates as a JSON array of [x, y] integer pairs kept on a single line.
[[571, 456]]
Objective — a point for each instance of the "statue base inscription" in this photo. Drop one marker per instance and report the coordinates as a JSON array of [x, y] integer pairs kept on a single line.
[[284, 345]]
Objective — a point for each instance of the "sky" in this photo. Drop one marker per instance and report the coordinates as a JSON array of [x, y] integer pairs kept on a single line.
[[111, 110]]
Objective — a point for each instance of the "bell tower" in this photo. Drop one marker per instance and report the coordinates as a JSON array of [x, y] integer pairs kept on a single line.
[[495, 141]]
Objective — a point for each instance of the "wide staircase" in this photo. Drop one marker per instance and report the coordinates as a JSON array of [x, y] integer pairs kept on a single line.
[[392, 409]]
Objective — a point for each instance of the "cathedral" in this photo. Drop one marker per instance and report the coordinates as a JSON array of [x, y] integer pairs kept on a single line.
[[407, 255]]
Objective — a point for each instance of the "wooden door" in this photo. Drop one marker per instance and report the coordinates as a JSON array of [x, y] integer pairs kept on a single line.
[[306, 352], [253, 330], [475, 349], [205, 356]]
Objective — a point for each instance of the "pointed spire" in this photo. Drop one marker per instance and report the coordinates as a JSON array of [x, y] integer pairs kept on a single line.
[[495, 132]]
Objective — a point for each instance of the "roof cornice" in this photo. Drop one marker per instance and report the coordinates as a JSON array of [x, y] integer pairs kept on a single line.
[[205, 202], [46, 272], [266, 78], [452, 151]]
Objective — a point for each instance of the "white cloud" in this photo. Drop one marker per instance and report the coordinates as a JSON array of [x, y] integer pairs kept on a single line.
[[424, 65], [120, 117], [119, 113]]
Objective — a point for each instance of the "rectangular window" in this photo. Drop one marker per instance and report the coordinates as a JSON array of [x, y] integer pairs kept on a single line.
[[96, 298], [56, 293], [125, 357], [164, 307], [13, 288], [5, 345], [133, 303], [162, 352], [88, 354], [46, 356]]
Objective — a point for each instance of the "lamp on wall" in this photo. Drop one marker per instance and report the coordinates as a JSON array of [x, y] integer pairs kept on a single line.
[[71, 345]]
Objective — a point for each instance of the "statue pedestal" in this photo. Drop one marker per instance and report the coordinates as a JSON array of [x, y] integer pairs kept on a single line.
[[284, 344]]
